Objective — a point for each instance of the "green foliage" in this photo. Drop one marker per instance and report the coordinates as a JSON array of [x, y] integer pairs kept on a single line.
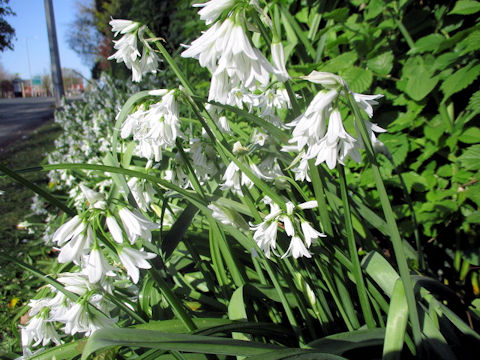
[[429, 72], [7, 32], [17, 286], [369, 273]]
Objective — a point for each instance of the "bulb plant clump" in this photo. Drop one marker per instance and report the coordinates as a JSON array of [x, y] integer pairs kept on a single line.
[[222, 222]]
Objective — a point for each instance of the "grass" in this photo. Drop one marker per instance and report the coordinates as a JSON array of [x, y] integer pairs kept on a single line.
[[16, 287]]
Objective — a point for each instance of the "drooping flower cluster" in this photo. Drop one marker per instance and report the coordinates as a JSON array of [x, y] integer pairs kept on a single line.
[[319, 131], [265, 233], [226, 50], [155, 128], [78, 242], [88, 313], [127, 48]]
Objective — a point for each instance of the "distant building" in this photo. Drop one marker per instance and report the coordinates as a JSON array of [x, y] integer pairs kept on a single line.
[[39, 86]]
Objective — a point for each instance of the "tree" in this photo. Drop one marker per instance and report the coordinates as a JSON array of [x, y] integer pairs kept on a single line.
[[90, 34], [7, 32], [83, 36], [71, 78]]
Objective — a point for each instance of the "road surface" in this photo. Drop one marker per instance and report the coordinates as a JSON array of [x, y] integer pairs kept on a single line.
[[19, 116]]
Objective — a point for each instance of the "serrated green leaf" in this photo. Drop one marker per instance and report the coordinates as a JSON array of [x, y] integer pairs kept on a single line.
[[435, 129], [358, 79], [427, 43], [473, 193], [421, 85], [470, 159], [470, 136], [374, 8], [470, 43], [340, 62], [417, 78], [473, 218], [462, 176], [460, 79], [339, 15], [397, 145], [415, 181], [445, 170], [445, 60], [381, 64], [474, 103], [465, 7]]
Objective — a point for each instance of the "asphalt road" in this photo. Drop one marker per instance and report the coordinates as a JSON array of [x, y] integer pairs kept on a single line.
[[19, 116]]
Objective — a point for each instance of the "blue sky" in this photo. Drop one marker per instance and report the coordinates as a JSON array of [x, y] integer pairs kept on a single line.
[[30, 26]]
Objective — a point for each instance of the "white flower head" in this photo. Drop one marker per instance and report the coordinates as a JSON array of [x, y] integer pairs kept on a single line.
[[133, 260], [127, 48], [39, 330], [266, 236], [123, 26], [326, 79], [136, 225], [97, 266], [71, 228], [297, 249], [366, 101], [213, 9], [265, 233], [309, 233], [78, 246], [336, 145], [95, 199], [226, 51], [79, 319], [278, 57], [311, 126], [156, 128], [114, 229]]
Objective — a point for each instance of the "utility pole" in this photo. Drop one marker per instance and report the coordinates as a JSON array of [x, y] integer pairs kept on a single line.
[[54, 58]]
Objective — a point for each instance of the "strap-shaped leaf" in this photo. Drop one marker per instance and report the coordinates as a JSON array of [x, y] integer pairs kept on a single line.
[[173, 342], [178, 230]]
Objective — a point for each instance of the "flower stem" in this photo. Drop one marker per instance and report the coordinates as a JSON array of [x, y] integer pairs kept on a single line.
[[173, 301], [356, 269], [391, 222], [319, 192]]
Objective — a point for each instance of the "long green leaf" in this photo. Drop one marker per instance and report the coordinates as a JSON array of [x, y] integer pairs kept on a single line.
[[65, 351], [176, 342], [35, 188], [112, 169], [178, 230], [177, 326], [237, 310], [343, 342], [396, 323], [305, 354]]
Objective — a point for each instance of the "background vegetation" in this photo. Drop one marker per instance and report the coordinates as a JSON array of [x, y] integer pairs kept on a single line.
[[424, 57]]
